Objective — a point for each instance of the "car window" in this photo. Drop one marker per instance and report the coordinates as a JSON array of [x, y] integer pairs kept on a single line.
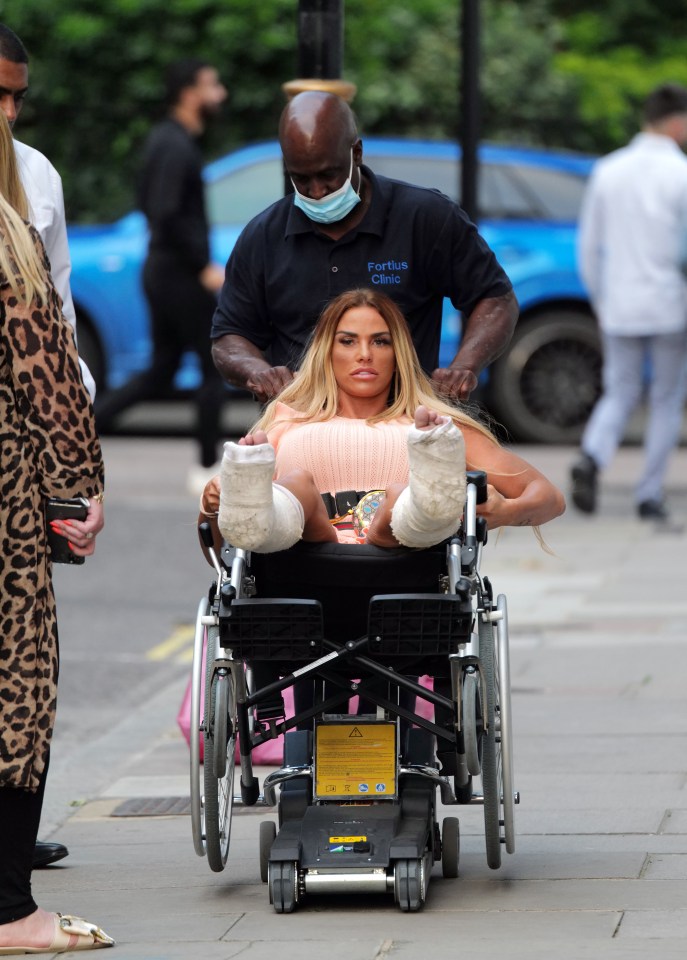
[[558, 193], [499, 195], [443, 175], [242, 194]]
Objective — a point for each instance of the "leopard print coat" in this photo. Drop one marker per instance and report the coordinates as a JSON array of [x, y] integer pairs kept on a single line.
[[48, 447]]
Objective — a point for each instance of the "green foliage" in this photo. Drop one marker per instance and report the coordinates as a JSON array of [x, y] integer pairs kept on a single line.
[[525, 99], [404, 61], [568, 73], [615, 57], [612, 89], [643, 24], [96, 81]]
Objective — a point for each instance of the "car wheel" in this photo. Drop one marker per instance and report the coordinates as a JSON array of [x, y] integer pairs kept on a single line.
[[90, 350], [544, 387]]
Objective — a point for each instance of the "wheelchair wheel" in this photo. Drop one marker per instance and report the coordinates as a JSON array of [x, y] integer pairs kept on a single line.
[[505, 724], [197, 684], [220, 736], [268, 831], [473, 727], [283, 885], [450, 847], [410, 884], [492, 770], [220, 733]]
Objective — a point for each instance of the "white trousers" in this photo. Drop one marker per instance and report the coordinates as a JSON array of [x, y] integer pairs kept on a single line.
[[627, 363]]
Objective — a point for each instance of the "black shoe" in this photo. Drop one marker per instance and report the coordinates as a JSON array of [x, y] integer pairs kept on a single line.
[[653, 510], [583, 478], [46, 853]]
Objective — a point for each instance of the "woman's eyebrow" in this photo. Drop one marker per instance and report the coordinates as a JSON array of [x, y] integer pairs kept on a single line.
[[350, 333]]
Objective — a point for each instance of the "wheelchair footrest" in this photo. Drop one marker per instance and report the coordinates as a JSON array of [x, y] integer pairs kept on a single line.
[[418, 623], [273, 629]]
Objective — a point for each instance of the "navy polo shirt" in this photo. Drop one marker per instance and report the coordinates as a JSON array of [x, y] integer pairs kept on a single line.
[[413, 244]]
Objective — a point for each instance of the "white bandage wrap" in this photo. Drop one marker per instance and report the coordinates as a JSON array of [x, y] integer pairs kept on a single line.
[[430, 508], [254, 513]]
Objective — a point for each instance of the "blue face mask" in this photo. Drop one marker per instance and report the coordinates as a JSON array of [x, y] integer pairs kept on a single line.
[[332, 208]]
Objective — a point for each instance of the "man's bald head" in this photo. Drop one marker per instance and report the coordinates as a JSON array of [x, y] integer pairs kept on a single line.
[[321, 148], [317, 121]]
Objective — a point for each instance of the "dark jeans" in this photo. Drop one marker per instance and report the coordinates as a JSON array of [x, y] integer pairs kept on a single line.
[[181, 316], [20, 814]]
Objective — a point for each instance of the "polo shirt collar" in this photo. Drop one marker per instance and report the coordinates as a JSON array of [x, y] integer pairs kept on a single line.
[[373, 222]]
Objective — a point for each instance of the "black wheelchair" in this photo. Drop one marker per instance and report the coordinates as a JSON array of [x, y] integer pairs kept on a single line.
[[357, 792]]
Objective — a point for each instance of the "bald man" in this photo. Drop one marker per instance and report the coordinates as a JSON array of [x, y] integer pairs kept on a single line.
[[345, 227]]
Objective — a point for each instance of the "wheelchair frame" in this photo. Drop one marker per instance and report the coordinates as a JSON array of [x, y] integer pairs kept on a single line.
[[460, 633]]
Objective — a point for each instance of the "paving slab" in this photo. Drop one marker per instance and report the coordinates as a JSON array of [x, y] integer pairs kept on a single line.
[[665, 866], [653, 925], [568, 947], [443, 931]]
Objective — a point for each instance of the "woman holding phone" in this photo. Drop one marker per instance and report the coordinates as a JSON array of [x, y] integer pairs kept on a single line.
[[49, 448]]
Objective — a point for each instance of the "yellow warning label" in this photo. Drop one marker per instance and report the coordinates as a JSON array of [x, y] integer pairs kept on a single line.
[[348, 839], [355, 760]]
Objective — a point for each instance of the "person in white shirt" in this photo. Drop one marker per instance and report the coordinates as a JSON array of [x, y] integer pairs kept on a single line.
[[40, 180], [632, 258]]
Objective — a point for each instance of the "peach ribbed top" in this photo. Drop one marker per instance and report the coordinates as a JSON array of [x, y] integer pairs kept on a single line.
[[342, 453]]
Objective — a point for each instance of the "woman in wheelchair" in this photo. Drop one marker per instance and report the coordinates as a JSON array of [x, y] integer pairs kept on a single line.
[[361, 416]]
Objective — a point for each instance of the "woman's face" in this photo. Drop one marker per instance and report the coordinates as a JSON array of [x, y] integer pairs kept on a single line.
[[363, 358]]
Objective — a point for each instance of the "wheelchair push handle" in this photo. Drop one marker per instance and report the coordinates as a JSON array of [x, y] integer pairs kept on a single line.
[[479, 479], [475, 528], [205, 531]]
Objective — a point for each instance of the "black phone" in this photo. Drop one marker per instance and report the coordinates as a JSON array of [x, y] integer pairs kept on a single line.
[[75, 508]]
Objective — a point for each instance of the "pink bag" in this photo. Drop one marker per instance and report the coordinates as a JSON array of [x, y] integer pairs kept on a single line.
[[267, 754]]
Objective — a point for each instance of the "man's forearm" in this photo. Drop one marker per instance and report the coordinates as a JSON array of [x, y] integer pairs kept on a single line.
[[237, 359], [487, 332]]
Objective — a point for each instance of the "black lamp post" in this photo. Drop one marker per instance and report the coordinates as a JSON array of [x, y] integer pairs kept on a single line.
[[320, 49], [470, 105], [320, 38]]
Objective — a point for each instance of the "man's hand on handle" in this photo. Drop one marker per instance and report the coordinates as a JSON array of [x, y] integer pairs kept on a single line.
[[454, 383], [242, 364], [266, 384]]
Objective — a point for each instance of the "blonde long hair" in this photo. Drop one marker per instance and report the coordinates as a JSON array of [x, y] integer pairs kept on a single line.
[[20, 264], [314, 393]]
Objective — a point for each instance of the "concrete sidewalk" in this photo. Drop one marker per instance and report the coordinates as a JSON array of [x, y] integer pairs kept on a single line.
[[599, 679]]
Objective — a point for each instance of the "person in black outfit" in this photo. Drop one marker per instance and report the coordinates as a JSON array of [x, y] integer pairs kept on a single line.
[[180, 281], [345, 227]]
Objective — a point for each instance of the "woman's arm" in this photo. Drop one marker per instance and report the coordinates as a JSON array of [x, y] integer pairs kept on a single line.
[[53, 407], [518, 495], [209, 509]]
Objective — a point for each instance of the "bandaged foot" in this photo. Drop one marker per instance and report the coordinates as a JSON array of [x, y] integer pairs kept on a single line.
[[430, 508], [254, 513]]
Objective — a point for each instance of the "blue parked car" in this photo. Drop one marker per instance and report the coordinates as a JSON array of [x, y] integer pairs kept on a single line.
[[542, 389]]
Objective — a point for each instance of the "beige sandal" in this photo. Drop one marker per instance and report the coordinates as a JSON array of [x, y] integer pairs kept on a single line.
[[71, 933]]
